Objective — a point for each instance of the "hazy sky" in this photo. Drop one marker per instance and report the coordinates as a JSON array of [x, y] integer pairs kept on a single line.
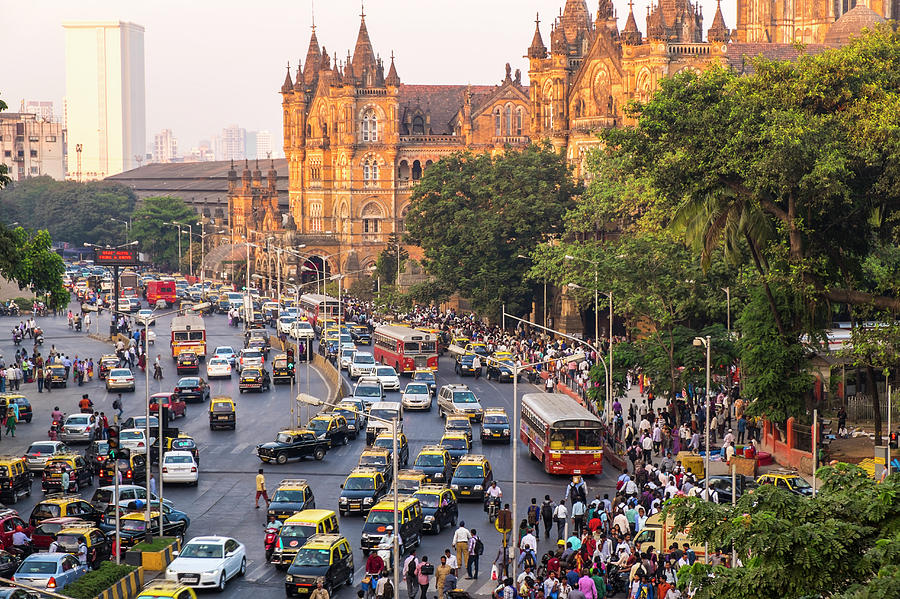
[[211, 63]]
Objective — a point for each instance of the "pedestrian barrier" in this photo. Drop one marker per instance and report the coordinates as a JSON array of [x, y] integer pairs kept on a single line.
[[126, 587]]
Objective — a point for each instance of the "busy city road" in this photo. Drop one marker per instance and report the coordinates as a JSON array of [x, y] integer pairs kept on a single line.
[[222, 503]]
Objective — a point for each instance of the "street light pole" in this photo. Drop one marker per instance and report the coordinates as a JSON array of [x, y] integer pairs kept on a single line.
[[706, 342]]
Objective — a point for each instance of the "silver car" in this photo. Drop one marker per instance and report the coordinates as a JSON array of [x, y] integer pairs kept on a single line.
[[120, 379], [416, 396], [37, 455], [77, 428]]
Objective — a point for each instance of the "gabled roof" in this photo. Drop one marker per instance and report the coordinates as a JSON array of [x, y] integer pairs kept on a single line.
[[441, 101]]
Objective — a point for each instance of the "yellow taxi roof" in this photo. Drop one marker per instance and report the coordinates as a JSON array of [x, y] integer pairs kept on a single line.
[[63, 500], [473, 457], [387, 503], [293, 483], [458, 416], [322, 541], [309, 516], [411, 474], [293, 431], [433, 449], [140, 515], [363, 472], [432, 489], [6, 459]]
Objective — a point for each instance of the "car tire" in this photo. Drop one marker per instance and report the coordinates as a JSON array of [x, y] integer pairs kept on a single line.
[[436, 529], [281, 458], [243, 569], [319, 454], [221, 586]]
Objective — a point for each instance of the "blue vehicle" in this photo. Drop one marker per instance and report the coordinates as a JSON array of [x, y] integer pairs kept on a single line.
[[108, 521], [51, 571], [227, 352]]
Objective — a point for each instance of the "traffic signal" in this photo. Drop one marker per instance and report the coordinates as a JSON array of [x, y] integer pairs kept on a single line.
[[290, 358], [112, 438]]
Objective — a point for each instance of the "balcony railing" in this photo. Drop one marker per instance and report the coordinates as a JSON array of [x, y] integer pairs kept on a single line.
[[430, 139], [689, 48], [513, 140], [593, 123]]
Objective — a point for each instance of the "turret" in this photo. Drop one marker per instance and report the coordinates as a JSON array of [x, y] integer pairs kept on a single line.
[[718, 32], [288, 85], [392, 79], [631, 36], [537, 48]]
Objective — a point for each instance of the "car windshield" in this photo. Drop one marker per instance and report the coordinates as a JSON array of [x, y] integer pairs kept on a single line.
[[78, 419], [464, 397], [282, 438], [224, 351], [317, 425], [69, 539], [430, 460], [386, 371], [302, 325], [454, 443], [202, 550], [380, 517], [360, 483], [417, 389], [470, 471], [133, 525], [427, 499], [119, 372], [183, 444], [363, 359], [252, 355], [373, 460], [496, 419], [37, 567], [297, 531], [424, 376], [188, 382], [386, 413], [367, 391], [458, 424], [288, 496], [800, 483], [101, 447], [311, 557], [350, 415], [221, 407], [178, 459], [218, 362], [41, 449], [131, 435], [102, 496]]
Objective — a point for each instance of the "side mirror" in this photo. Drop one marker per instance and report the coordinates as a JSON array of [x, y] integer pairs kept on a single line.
[[342, 485], [175, 553]]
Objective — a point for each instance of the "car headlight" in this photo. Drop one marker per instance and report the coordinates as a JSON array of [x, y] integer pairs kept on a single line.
[[289, 578], [454, 487], [272, 513], [365, 535], [210, 572], [342, 500], [367, 500], [429, 518], [170, 571], [478, 487], [439, 475]]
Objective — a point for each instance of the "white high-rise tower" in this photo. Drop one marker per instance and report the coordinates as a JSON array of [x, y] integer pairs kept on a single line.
[[105, 97]]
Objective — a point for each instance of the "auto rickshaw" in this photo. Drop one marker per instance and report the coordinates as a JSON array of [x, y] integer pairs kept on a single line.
[[222, 413]]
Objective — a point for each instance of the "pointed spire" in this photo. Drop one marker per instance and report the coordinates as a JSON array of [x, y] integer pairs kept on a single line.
[[605, 11], [363, 55], [656, 23], [631, 35], [718, 32], [288, 85], [393, 78], [537, 48], [313, 58], [298, 79]]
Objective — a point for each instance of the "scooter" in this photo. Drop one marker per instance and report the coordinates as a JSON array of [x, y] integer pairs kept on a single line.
[[493, 508], [271, 537], [617, 580], [39, 336]]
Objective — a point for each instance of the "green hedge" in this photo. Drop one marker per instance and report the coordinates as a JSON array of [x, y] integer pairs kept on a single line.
[[93, 583], [158, 544]]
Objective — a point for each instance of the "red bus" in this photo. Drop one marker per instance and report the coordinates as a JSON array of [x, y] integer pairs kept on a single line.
[[562, 434], [405, 349], [161, 290], [317, 308]]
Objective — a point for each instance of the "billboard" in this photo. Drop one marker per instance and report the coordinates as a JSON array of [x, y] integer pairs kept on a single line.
[[116, 256]]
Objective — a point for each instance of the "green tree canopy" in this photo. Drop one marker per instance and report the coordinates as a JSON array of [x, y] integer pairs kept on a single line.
[[158, 239], [386, 266], [475, 214]]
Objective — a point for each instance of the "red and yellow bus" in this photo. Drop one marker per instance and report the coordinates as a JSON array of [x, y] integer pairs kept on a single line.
[[188, 334], [406, 349], [317, 308], [561, 434]]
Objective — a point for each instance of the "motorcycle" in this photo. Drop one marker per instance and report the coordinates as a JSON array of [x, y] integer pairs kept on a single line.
[[617, 580], [17, 337], [78, 323], [493, 508], [39, 335], [22, 551], [271, 539]]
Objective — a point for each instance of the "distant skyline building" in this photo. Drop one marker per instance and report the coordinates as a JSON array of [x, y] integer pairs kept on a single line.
[[264, 144], [43, 109], [32, 146], [231, 145], [165, 147], [105, 97]]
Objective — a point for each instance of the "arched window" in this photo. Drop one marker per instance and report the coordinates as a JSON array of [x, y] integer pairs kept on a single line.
[[315, 216], [416, 170], [370, 170], [519, 121], [508, 120], [371, 217], [497, 132], [369, 126], [418, 126], [403, 170]]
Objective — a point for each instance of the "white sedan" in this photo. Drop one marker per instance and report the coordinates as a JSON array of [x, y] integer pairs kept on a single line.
[[284, 324], [208, 562], [120, 379], [300, 329], [180, 467], [134, 440], [417, 396], [218, 368], [388, 378]]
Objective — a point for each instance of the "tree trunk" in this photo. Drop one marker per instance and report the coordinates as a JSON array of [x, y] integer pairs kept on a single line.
[[872, 384]]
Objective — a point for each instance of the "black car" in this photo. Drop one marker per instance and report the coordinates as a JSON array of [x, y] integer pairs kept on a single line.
[[8, 565], [439, 507], [292, 496], [328, 557], [96, 453], [495, 426], [501, 371], [191, 388], [464, 365], [133, 529], [254, 377], [360, 334], [722, 484], [187, 362], [25, 412], [291, 445], [355, 421]]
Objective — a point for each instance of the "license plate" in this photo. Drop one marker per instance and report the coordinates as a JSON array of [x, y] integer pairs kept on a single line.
[[190, 579], [223, 417], [465, 492], [496, 434]]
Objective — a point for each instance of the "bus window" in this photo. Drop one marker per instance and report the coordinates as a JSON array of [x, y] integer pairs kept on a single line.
[[562, 439], [589, 438], [180, 335], [196, 335], [411, 348], [428, 347]]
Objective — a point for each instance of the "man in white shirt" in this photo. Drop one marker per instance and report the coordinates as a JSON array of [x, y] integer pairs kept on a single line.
[[528, 542], [561, 515], [461, 543]]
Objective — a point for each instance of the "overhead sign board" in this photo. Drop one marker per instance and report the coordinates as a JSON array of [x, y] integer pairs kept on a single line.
[[116, 256]]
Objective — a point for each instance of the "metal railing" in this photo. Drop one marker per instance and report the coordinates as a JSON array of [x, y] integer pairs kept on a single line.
[[860, 408]]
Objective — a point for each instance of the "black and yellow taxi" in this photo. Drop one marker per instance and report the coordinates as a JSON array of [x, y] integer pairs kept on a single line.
[[106, 363], [96, 453], [434, 461], [386, 441], [187, 362], [787, 480], [282, 368], [222, 413], [166, 589], [409, 519], [439, 507], [62, 506], [409, 481], [292, 495], [134, 527], [328, 558], [76, 469], [297, 529], [58, 375], [331, 427], [378, 458], [254, 378], [495, 426], [502, 368], [458, 422], [22, 405], [132, 468], [183, 442], [457, 445], [361, 490], [98, 544], [472, 476], [15, 478]]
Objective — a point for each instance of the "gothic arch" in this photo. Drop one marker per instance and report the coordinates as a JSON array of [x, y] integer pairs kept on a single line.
[[600, 88], [644, 84], [372, 208]]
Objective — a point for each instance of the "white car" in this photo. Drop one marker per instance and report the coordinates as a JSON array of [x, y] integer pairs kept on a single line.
[[250, 357], [416, 396], [120, 379], [363, 364], [218, 368], [180, 467], [348, 350], [208, 562], [39, 452], [134, 440], [284, 324], [77, 427], [227, 352], [301, 329], [388, 378], [146, 313]]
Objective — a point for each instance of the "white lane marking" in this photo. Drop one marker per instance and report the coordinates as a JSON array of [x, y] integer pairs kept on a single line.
[[254, 575], [240, 447]]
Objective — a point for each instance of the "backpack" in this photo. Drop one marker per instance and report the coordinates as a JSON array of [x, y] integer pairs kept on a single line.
[[479, 546], [547, 511], [528, 560], [533, 513], [411, 568]]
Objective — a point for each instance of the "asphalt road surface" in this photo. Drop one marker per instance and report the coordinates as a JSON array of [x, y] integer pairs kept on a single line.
[[222, 503]]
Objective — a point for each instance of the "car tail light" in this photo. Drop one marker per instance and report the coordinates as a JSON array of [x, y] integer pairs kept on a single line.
[[51, 584], [128, 473], [193, 468], [165, 469], [140, 444], [198, 389]]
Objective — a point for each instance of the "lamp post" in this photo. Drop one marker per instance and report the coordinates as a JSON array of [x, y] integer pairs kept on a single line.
[[127, 224], [727, 291], [395, 426], [178, 225], [609, 381], [707, 343]]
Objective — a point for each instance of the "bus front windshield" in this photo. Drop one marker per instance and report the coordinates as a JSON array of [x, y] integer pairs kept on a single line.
[[563, 438], [590, 438]]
